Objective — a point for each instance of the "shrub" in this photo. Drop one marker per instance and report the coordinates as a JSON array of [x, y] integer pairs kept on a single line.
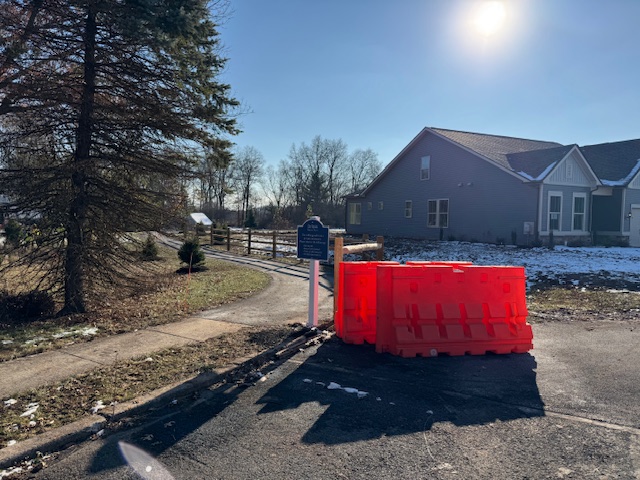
[[149, 249], [14, 232], [25, 307], [190, 253]]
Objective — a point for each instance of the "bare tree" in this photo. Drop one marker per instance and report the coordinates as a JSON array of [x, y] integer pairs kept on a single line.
[[247, 170], [364, 166]]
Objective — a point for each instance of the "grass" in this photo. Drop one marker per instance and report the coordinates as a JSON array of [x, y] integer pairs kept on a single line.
[[578, 301], [164, 296], [74, 398]]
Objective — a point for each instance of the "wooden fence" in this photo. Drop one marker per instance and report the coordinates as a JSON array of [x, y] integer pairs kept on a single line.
[[282, 243]]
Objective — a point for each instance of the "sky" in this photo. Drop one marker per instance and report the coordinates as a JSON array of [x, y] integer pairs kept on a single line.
[[375, 72]]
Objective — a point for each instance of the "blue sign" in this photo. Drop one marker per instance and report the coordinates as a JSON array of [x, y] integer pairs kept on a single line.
[[313, 240]]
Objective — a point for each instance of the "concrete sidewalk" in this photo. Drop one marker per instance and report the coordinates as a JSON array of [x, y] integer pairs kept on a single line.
[[285, 300]]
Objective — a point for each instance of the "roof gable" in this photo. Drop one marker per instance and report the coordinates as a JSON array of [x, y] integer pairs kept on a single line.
[[536, 164]]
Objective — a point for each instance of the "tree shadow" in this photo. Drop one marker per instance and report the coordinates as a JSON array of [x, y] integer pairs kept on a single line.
[[404, 395]]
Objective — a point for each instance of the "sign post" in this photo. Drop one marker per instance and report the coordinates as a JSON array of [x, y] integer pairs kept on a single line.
[[313, 245]]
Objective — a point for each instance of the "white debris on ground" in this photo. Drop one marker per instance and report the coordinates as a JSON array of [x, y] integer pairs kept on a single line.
[[11, 401], [337, 386], [31, 409], [97, 407], [6, 342], [10, 472], [558, 265]]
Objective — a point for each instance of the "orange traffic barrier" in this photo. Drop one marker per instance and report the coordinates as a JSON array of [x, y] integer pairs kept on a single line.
[[451, 307], [355, 316]]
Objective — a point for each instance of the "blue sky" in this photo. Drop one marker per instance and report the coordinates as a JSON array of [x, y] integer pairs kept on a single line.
[[375, 72]]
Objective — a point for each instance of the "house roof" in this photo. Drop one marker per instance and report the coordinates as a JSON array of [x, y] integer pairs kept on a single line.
[[495, 147], [535, 164], [614, 163]]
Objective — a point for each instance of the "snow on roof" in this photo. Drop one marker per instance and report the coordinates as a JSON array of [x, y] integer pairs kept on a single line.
[[200, 218], [541, 176], [625, 180]]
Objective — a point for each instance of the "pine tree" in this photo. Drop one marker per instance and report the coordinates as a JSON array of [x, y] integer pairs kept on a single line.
[[103, 104]]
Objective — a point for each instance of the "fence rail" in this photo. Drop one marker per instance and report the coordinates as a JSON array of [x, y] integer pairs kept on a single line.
[[277, 243]]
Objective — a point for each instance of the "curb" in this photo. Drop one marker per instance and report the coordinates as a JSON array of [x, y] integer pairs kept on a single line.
[[81, 430]]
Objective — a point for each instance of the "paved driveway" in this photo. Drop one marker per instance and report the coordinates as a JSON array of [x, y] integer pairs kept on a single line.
[[568, 410]]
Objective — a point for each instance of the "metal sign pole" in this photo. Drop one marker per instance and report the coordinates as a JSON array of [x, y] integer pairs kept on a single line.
[[314, 267]]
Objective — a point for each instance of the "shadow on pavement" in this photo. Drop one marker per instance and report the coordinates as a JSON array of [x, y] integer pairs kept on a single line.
[[404, 395]]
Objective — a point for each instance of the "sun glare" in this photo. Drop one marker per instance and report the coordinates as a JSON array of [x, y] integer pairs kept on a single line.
[[490, 18]]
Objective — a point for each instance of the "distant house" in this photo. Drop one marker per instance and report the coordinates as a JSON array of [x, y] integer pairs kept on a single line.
[[447, 184]]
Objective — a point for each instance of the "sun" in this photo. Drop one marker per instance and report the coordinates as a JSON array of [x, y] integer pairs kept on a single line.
[[490, 17]]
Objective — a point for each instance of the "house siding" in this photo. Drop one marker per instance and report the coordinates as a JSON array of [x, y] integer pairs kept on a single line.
[[485, 203]]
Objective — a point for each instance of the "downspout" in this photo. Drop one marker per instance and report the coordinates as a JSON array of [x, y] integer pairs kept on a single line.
[[591, 232], [539, 213]]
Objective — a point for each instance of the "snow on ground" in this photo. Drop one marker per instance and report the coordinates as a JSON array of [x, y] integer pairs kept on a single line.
[[616, 267]]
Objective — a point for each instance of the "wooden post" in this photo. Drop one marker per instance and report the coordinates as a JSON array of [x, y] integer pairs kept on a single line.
[[365, 255], [249, 243], [228, 239], [338, 255], [274, 246], [380, 250]]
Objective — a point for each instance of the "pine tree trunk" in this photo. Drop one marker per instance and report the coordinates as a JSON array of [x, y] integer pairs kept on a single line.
[[74, 301]]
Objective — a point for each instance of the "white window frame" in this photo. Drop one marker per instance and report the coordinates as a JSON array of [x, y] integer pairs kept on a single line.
[[355, 213], [574, 213], [425, 168], [380, 205], [439, 212], [369, 205], [408, 209], [549, 212]]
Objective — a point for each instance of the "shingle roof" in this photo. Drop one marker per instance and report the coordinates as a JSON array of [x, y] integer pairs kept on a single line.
[[536, 162], [495, 147], [613, 161]]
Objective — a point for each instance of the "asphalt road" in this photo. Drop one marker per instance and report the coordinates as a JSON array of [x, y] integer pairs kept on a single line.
[[568, 410]]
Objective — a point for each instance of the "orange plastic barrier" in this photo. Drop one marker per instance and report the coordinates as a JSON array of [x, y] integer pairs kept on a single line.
[[355, 316], [451, 307]]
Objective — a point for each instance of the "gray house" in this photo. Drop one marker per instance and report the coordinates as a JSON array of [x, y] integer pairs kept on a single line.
[[447, 184]]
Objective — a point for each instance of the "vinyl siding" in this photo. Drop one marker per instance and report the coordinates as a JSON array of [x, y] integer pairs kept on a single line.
[[485, 203]]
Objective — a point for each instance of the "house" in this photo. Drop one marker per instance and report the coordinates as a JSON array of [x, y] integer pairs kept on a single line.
[[448, 184]]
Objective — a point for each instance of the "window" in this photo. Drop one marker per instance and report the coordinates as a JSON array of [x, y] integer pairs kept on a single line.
[[408, 209], [355, 213], [438, 213], [425, 168], [579, 203], [555, 210], [369, 205], [380, 205]]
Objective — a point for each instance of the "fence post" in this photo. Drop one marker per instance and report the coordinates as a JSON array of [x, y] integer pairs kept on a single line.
[[338, 255], [249, 243], [274, 246], [211, 232], [365, 255], [228, 239], [380, 250]]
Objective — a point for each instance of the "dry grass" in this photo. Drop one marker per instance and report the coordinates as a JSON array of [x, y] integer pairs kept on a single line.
[[68, 401], [578, 301], [162, 296]]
